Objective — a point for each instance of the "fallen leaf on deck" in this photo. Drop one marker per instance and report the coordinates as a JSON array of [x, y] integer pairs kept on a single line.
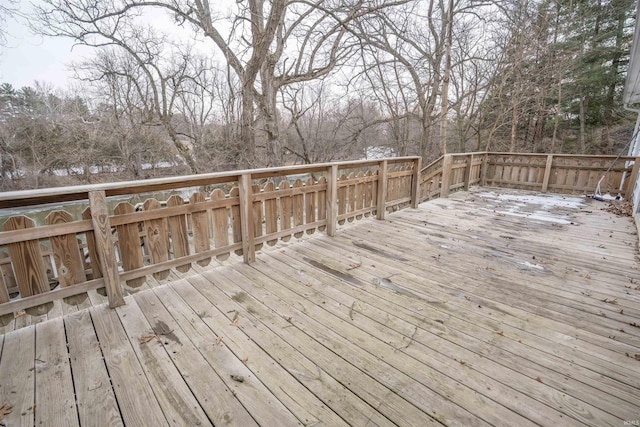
[[500, 333], [245, 360], [218, 340], [146, 338], [610, 301], [234, 322], [636, 356], [20, 313], [309, 284], [539, 379], [4, 410], [354, 265]]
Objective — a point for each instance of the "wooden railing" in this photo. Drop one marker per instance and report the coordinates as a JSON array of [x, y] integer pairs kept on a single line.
[[557, 173], [118, 238], [114, 243]]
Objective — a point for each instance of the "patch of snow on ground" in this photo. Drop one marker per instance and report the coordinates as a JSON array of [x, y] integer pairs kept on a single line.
[[530, 265], [542, 204]]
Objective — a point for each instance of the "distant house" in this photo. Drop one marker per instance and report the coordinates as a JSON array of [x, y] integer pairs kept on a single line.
[[631, 99]]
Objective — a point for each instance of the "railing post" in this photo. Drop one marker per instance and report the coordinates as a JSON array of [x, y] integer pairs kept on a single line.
[[485, 170], [415, 183], [381, 197], [447, 165], [467, 172], [332, 201], [635, 174], [246, 218], [547, 173], [105, 247]]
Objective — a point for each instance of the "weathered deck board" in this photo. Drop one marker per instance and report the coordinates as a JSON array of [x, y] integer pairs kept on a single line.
[[97, 404], [480, 309]]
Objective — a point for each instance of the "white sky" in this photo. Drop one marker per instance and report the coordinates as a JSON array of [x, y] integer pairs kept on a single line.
[[28, 57]]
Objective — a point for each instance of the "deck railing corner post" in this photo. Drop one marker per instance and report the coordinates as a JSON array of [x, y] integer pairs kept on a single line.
[[105, 246], [246, 217], [547, 173], [415, 183]]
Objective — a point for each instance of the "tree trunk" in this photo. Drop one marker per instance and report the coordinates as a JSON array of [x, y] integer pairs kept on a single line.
[[584, 102], [444, 95], [182, 149], [247, 150]]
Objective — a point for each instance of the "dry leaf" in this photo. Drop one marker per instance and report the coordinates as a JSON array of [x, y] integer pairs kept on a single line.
[[354, 265], [610, 301], [500, 333], [145, 339], [636, 356], [309, 284], [218, 340], [20, 313], [238, 378], [4, 410], [538, 379], [234, 322], [245, 360]]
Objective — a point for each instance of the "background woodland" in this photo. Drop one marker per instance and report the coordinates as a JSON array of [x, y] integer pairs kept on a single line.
[[265, 83]]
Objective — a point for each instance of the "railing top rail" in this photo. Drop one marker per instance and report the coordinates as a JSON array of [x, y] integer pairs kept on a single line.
[[584, 156], [12, 199]]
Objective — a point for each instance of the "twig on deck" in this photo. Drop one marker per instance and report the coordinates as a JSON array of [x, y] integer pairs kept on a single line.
[[410, 340]]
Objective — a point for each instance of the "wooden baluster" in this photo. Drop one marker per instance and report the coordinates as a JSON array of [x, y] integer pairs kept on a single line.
[[271, 212], [310, 205], [220, 218], [352, 195], [342, 198], [332, 200], [156, 238], [322, 203], [298, 208], [5, 319], [286, 210], [94, 262], [28, 264], [200, 224], [257, 215], [368, 192], [178, 233], [67, 256], [129, 244], [359, 194], [381, 190], [4, 289]]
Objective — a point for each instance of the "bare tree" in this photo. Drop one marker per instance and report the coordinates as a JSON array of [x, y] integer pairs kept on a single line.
[[268, 44]]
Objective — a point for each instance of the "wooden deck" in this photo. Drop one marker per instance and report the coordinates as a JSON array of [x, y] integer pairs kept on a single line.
[[491, 307]]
